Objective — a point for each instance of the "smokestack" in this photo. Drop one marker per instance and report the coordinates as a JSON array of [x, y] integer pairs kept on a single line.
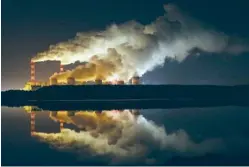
[[32, 123], [32, 72], [61, 67]]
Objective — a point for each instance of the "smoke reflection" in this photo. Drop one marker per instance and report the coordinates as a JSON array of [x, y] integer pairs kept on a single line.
[[124, 137]]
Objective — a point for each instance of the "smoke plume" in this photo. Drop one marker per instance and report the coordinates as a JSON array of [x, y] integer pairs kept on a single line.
[[125, 138], [140, 48], [104, 68]]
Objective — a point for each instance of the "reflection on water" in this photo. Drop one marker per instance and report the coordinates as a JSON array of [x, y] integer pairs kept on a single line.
[[116, 137], [122, 134]]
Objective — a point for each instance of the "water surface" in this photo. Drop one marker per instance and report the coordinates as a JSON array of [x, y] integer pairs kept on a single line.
[[187, 136]]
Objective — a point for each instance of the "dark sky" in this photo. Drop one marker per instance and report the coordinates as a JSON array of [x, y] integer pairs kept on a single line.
[[30, 26]]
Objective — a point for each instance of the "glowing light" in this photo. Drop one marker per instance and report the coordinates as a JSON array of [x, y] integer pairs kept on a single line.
[[114, 78]]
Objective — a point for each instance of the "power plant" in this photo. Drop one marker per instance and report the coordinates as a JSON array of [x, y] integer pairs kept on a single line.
[[33, 84]]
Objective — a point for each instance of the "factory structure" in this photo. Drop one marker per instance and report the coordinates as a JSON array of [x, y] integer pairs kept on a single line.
[[33, 84]]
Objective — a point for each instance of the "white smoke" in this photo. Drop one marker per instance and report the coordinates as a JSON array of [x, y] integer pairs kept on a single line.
[[144, 47], [125, 138]]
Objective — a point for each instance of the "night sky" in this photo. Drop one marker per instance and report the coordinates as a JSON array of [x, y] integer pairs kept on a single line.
[[30, 26]]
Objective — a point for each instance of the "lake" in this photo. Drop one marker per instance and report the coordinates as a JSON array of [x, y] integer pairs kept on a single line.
[[183, 136]]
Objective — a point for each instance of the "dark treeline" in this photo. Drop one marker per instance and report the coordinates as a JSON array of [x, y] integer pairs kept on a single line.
[[105, 92], [121, 105]]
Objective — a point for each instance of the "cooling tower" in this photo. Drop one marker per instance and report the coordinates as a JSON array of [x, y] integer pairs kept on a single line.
[[108, 83], [71, 81], [135, 112], [98, 81], [130, 81], [53, 81], [135, 80], [70, 113], [120, 82]]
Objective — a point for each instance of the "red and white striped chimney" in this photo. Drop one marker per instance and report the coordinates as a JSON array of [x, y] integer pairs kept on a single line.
[[32, 123], [61, 67], [32, 71]]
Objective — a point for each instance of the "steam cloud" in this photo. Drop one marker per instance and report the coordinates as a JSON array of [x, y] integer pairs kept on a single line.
[[141, 48], [97, 68], [125, 138]]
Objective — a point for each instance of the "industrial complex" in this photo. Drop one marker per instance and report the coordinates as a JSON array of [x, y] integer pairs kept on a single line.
[[34, 84]]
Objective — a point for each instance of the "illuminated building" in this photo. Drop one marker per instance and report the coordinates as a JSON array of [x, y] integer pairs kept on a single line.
[[33, 84]]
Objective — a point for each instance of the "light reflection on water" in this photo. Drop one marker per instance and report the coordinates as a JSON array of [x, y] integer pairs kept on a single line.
[[124, 137]]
